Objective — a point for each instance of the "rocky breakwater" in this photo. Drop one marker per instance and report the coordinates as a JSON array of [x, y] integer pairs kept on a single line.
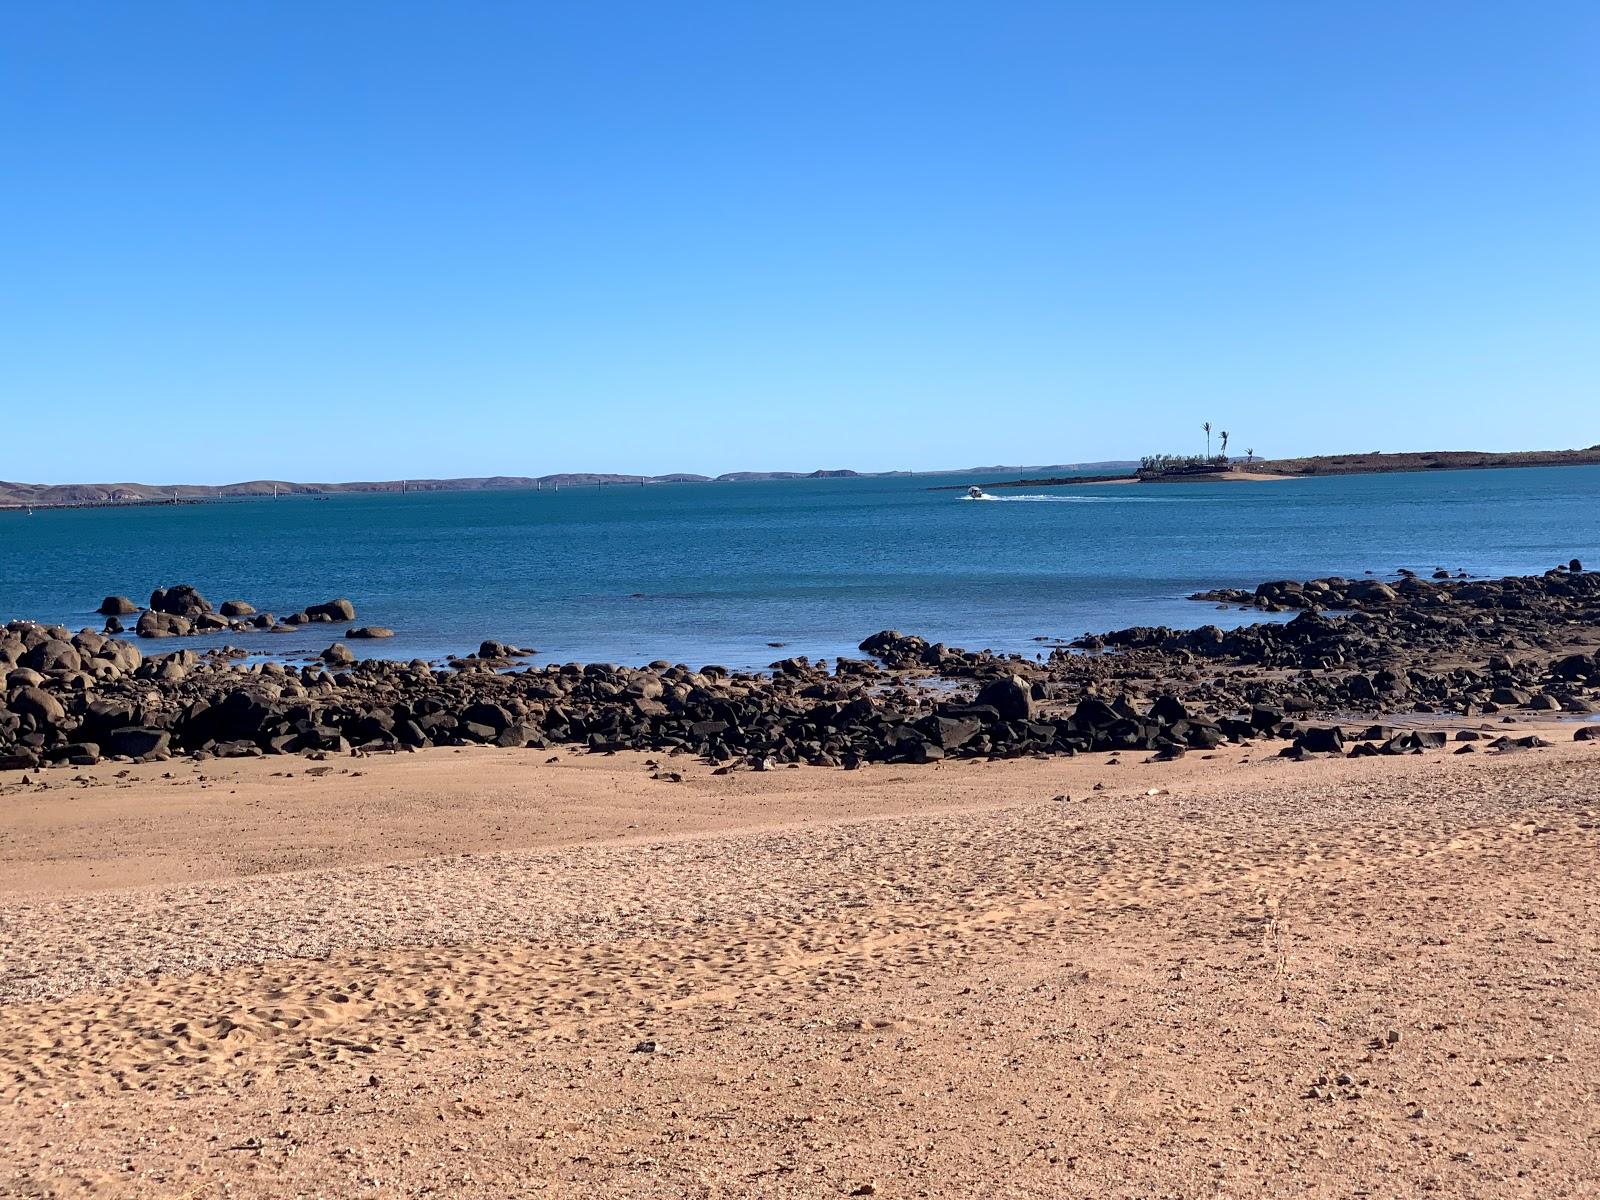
[[90, 697], [1466, 648], [81, 700], [1462, 647]]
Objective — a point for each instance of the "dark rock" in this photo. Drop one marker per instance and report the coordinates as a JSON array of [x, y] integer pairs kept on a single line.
[[1167, 709], [1323, 740], [493, 716], [950, 733], [1265, 717], [333, 610], [37, 703], [180, 601], [1529, 742], [137, 742], [1010, 697], [1093, 713], [53, 654], [369, 631], [1574, 666], [153, 624], [117, 606], [237, 608]]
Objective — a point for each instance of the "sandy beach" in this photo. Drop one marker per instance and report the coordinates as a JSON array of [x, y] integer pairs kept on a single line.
[[483, 973]]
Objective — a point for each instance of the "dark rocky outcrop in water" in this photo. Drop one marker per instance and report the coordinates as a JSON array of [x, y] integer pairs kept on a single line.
[[333, 610], [1355, 652], [181, 611], [180, 601]]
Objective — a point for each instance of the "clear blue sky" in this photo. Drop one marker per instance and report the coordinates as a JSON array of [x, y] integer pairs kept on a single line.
[[354, 240]]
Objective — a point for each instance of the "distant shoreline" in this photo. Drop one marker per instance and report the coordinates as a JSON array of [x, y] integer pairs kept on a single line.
[[128, 495], [19, 496]]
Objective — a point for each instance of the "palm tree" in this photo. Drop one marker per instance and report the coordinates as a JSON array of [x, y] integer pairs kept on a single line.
[[1207, 428], [1249, 455], [1224, 443]]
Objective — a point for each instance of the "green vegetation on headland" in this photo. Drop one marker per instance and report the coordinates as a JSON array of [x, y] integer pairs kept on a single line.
[[1168, 468], [1426, 460]]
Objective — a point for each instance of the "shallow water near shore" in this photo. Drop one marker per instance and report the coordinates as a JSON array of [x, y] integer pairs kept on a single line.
[[704, 573]]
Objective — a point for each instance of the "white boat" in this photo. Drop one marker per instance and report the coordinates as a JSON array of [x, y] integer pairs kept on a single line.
[[977, 493]]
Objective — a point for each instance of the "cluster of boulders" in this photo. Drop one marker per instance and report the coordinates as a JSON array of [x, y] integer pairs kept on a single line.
[[1344, 626], [182, 703], [1335, 592], [181, 611], [80, 697]]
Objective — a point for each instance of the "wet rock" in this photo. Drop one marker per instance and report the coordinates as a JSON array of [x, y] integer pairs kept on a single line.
[[333, 610], [117, 606], [182, 600], [153, 624]]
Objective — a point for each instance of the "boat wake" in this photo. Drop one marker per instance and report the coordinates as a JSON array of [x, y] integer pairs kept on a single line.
[[1045, 498]]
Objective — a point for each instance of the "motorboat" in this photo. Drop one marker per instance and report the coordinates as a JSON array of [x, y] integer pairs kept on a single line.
[[977, 493]]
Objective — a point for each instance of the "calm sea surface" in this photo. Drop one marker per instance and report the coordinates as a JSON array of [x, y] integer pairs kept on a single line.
[[711, 573]]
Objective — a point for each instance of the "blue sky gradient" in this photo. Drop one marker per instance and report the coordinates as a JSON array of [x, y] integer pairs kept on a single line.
[[381, 240]]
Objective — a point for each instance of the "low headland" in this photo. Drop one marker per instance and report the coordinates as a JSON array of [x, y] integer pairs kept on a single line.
[[1222, 469]]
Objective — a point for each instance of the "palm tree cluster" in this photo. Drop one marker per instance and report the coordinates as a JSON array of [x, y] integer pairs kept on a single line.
[[1157, 464], [1223, 457]]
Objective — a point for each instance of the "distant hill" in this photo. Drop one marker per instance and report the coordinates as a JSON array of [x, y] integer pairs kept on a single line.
[[43, 495], [1424, 460], [112, 493], [749, 476], [1107, 467]]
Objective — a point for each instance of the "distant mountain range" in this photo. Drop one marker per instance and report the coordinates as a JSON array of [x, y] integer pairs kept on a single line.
[[47, 494]]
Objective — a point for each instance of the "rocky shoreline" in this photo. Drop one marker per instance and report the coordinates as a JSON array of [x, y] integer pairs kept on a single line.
[[1355, 653]]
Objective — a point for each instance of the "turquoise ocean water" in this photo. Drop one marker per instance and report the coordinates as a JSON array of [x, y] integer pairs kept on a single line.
[[711, 573]]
